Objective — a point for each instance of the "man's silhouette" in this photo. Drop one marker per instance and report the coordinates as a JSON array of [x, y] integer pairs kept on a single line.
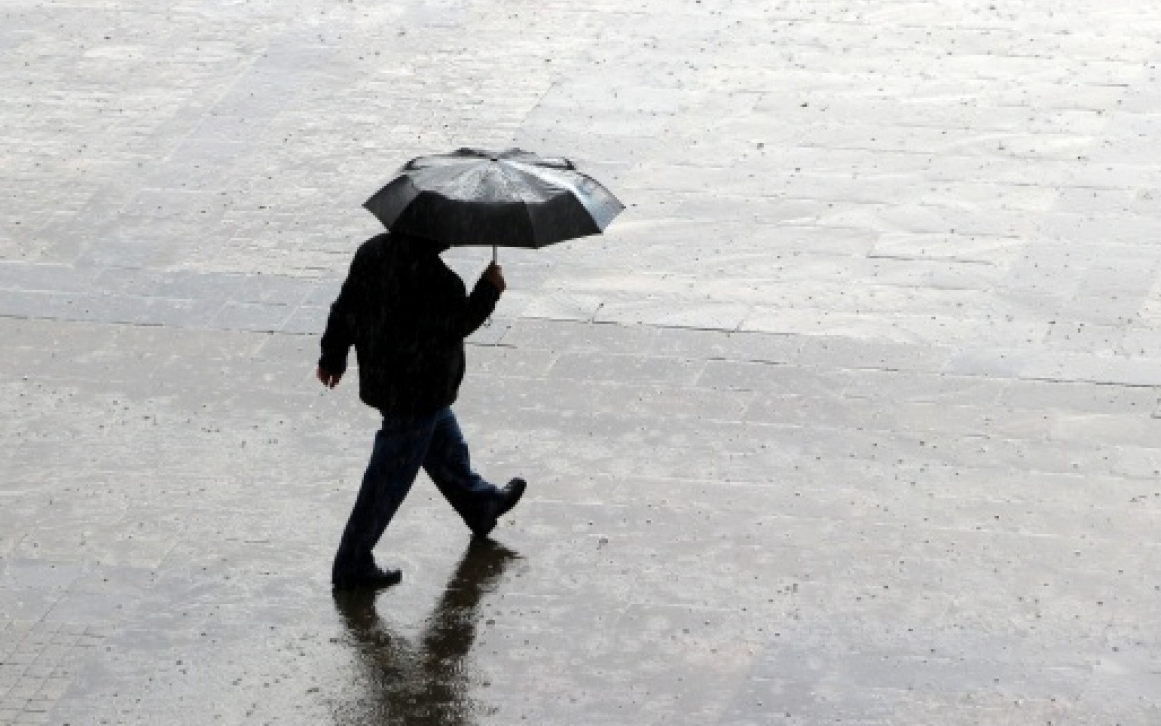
[[407, 315]]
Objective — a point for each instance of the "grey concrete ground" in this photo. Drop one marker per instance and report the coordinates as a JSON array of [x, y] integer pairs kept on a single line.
[[851, 418]]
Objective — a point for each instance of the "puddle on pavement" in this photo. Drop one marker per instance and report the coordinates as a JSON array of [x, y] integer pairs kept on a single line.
[[427, 679]]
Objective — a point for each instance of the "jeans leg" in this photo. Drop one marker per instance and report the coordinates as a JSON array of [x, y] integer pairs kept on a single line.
[[399, 451], [449, 466]]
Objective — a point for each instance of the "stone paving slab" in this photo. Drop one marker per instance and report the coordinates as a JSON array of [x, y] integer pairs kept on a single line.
[[851, 416]]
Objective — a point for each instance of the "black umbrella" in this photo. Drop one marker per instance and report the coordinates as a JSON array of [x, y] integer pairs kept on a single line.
[[512, 198]]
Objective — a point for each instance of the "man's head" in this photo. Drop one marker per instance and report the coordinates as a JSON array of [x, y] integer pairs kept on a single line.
[[422, 243]]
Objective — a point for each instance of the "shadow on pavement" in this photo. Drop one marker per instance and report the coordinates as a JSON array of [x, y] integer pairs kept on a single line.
[[429, 682]]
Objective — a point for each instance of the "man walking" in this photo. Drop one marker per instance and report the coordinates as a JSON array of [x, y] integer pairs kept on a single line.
[[407, 315]]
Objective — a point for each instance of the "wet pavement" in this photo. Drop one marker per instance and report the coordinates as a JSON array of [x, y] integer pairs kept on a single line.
[[851, 418]]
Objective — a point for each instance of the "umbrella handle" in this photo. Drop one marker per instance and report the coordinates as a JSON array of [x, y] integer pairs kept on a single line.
[[488, 322]]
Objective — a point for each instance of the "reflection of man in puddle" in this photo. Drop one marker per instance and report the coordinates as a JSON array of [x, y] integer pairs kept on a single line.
[[426, 683]]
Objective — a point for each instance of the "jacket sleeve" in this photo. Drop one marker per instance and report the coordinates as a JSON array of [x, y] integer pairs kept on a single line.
[[480, 305], [454, 313], [339, 335]]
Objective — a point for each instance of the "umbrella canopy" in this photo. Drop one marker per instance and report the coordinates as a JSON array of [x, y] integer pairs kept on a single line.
[[508, 198]]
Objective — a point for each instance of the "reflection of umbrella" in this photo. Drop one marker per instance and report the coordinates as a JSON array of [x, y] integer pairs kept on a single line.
[[509, 198]]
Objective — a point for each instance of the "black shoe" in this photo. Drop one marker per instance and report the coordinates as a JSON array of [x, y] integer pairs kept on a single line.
[[509, 496], [373, 580]]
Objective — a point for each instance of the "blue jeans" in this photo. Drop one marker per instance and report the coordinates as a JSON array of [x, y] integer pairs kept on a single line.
[[402, 447]]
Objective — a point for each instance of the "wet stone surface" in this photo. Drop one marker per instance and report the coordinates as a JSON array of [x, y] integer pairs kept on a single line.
[[850, 418]]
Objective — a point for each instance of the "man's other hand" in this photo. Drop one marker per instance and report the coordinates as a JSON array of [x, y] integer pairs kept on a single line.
[[328, 379], [495, 275]]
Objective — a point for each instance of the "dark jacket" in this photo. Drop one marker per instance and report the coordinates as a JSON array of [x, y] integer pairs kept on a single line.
[[407, 315]]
